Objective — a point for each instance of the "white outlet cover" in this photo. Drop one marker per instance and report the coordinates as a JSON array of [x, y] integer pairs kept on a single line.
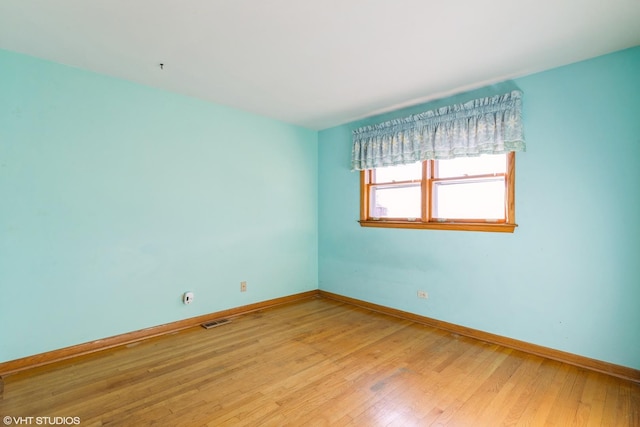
[[187, 297]]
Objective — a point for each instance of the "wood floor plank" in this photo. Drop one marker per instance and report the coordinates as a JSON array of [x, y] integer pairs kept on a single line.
[[319, 362], [507, 402]]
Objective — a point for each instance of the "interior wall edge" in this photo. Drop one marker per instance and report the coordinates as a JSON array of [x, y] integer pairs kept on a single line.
[[608, 368], [49, 357], [25, 363]]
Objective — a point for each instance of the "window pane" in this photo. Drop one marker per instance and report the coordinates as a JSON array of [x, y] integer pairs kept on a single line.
[[395, 202], [464, 166], [399, 173], [482, 199]]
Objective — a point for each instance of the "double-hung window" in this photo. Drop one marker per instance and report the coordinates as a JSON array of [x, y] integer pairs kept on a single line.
[[469, 193], [451, 168]]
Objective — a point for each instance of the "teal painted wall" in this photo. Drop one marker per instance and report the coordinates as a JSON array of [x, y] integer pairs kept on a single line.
[[569, 277], [115, 198]]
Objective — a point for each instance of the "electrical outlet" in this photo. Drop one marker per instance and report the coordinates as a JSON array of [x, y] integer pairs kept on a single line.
[[243, 286], [187, 297], [423, 294]]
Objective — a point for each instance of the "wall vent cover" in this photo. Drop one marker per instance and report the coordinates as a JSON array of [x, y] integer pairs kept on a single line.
[[214, 323]]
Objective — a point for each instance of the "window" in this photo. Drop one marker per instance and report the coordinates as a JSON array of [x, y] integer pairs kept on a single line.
[[405, 184], [466, 193]]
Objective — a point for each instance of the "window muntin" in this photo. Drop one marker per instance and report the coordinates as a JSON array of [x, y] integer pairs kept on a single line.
[[475, 193]]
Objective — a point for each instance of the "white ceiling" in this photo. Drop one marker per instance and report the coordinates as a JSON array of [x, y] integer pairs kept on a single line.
[[318, 63]]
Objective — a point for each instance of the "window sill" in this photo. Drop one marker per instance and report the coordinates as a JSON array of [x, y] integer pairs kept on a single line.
[[475, 226]]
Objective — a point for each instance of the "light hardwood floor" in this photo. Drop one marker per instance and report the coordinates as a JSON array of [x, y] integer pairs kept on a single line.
[[319, 362]]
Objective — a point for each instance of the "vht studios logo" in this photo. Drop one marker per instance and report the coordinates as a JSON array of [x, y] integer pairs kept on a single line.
[[42, 421]]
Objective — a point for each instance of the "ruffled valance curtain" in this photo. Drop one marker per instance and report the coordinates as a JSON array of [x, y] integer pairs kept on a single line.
[[491, 125]]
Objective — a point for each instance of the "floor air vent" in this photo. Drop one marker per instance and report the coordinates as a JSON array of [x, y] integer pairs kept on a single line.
[[214, 323]]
